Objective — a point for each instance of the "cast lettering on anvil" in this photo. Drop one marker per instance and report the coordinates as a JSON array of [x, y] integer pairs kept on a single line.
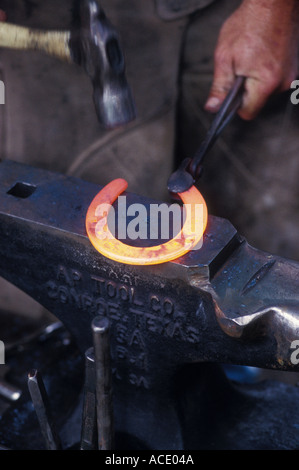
[[153, 312]]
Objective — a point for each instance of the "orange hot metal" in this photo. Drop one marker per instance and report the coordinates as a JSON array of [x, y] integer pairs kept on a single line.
[[104, 242]]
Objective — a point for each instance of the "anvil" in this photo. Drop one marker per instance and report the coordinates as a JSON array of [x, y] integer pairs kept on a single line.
[[226, 303]]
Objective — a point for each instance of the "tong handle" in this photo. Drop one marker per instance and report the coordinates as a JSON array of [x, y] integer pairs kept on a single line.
[[225, 114], [190, 169]]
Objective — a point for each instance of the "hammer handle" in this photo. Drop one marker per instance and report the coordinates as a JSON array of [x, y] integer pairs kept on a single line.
[[54, 43]]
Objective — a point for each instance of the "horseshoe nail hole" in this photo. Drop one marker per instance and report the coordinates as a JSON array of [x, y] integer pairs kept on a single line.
[[22, 190]]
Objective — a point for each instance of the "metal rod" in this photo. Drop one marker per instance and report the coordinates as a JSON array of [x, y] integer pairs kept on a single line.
[[89, 435], [227, 111], [190, 169], [42, 408], [100, 331]]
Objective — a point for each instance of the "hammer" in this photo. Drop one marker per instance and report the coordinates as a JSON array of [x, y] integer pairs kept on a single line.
[[93, 43]]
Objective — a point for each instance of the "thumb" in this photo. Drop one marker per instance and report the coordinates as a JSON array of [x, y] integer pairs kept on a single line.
[[223, 80]]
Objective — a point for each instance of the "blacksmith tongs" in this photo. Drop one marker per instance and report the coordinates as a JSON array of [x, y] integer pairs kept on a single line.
[[190, 169]]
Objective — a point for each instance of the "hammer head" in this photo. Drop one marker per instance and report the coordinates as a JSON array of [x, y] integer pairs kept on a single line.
[[96, 46]]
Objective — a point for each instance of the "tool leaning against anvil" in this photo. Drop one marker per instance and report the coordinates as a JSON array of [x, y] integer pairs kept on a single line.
[[92, 43]]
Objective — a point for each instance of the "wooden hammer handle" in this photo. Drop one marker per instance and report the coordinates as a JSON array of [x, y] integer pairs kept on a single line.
[[55, 43]]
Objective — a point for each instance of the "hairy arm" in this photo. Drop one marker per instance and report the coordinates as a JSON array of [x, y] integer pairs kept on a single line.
[[260, 41]]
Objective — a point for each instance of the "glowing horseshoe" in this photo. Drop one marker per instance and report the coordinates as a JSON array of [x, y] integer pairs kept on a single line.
[[104, 242]]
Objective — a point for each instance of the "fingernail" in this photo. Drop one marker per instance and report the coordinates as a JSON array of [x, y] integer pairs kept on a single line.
[[212, 103]]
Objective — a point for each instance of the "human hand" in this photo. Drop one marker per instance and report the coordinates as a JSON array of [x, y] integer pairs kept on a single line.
[[259, 41]]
